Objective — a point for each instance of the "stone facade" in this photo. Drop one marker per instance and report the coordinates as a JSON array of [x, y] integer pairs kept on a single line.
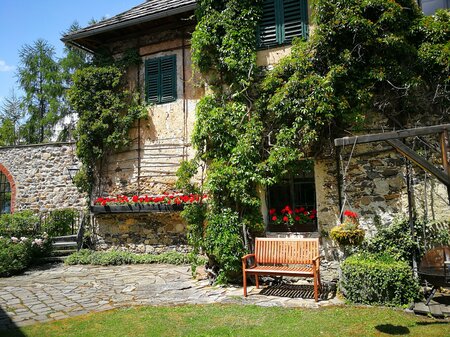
[[374, 183], [41, 179], [153, 232]]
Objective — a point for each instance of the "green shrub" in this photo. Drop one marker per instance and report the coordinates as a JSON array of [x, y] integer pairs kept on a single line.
[[378, 279], [85, 256], [59, 222], [14, 257], [396, 238], [18, 224]]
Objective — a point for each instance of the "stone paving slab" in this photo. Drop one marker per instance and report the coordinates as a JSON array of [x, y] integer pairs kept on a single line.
[[56, 291]]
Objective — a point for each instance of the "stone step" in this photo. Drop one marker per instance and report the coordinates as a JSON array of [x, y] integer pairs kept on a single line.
[[64, 252], [63, 244], [52, 259], [64, 238]]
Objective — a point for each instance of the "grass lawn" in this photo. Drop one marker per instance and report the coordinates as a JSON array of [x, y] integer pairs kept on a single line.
[[237, 320]]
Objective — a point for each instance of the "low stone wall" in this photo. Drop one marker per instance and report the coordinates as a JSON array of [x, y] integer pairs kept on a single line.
[[153, 232]]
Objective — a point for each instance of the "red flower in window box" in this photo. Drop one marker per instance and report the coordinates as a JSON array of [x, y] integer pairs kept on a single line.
[[299, 216]]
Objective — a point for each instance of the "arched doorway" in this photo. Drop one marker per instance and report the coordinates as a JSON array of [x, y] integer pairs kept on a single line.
[[7, 191]]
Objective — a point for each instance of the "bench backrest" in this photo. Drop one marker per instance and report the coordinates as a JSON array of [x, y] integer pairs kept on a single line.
[[285, 250]]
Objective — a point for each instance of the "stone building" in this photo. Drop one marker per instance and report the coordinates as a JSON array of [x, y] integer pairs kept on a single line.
[[375, 177], [36, 177]]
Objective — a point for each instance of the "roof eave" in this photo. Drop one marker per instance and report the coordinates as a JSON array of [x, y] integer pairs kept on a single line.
[[128, 23]]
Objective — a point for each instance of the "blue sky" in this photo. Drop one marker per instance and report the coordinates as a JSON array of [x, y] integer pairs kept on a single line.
[[24, 21]]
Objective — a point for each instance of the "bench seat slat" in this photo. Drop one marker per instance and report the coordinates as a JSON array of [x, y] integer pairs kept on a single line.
[[306, 270]]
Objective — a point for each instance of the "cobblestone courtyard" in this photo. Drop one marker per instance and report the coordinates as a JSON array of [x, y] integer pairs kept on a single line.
[[57, 291]]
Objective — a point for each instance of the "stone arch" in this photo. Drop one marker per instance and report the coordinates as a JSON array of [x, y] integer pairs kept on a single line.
[[12, 184]]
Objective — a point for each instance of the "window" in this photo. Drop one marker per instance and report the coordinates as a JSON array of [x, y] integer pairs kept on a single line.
[[283, 20], [297, 192], [431, 6], [5, 194], [161, 79]]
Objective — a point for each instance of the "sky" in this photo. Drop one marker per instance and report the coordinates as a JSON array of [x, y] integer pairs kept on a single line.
[[25, 21]]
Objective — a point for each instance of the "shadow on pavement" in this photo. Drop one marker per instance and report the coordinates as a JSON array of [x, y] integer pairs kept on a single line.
[[305, 291], [7, 326]]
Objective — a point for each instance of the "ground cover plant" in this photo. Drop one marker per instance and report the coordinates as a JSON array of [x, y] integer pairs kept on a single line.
[[21, 243], [238, 320], [86, 256]]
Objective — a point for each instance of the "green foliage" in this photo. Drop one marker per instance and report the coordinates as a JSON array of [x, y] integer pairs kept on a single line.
[[14, 257], [378, 279], [257, 125], [223, 243], [224, 40], [11, 113], [59, 222], [18, 224], [39, 77], [16, 254], [396, 240], [86, 256], [106, 113]]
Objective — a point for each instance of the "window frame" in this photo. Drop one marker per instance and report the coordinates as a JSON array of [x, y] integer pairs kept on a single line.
[[292, 181], [277, 18], [5, 194]]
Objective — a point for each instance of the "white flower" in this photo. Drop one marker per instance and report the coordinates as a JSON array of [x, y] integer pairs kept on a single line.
[[14, 239], [38, 242], [23, 239]]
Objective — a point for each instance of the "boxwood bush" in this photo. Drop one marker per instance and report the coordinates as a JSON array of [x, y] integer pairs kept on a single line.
[[378, 279]]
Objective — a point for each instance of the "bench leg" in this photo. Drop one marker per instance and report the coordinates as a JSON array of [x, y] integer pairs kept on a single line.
[[244, 283], [317, 285], [257, 281]]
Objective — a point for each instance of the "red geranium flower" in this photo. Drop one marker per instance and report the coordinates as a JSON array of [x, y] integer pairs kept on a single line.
[[274, 218], [285, 219]]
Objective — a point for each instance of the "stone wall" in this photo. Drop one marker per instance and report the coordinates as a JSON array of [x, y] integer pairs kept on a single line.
[[41, 179], [153, 232]]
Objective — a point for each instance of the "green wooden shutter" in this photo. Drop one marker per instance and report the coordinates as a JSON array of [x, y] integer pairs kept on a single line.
[[294, 19], [268, 25], [152, 80], [168, 71], [161, 79]]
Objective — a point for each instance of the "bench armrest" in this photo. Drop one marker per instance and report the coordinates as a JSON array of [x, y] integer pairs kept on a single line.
[[316, 261], [245, 258]]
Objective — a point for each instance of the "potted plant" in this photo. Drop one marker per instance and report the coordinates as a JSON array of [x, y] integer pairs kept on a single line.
[[348, 233]]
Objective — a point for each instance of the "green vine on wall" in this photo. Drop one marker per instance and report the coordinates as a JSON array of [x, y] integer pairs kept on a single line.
[[364, 58], [106, 112]]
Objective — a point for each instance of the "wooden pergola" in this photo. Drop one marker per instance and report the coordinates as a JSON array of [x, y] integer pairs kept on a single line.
[[393, 139]]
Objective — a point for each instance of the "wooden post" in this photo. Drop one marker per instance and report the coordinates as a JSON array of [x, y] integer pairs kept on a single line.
[[444, 152]]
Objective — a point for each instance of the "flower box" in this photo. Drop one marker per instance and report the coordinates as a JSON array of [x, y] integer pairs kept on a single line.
[[149, 207], [138, 208], [306, 227]]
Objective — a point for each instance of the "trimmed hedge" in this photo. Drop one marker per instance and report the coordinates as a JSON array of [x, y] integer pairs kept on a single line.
[[86, 256], [378, 279]]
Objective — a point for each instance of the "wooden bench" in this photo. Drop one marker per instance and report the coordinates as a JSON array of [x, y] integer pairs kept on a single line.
[[284, 257]]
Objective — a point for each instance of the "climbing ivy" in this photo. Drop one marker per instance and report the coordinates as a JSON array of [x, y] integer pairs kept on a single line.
[[256, 125], [106, 112]]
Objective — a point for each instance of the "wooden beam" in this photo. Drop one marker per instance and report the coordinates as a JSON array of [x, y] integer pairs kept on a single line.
[[426, 130], [444, 152], [420, 161]]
